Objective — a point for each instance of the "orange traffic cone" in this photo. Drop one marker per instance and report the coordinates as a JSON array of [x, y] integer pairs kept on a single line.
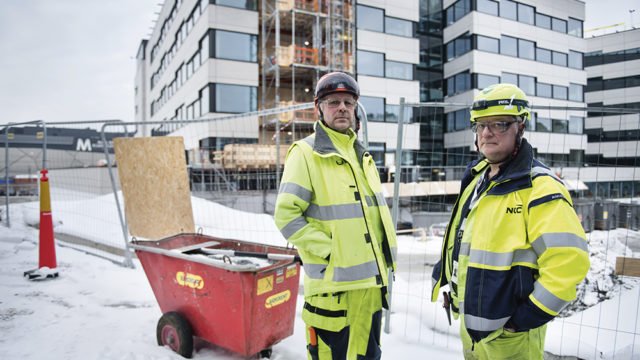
[[47, 255]]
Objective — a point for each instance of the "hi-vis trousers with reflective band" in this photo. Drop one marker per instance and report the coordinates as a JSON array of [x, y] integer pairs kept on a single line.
[[503, 344], [344, 326]]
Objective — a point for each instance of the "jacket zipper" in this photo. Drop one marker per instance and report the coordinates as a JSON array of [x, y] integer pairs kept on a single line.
[[366, 223]]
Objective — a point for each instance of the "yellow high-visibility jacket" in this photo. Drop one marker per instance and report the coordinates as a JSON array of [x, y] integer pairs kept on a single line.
[[517, 256], [331, 207]]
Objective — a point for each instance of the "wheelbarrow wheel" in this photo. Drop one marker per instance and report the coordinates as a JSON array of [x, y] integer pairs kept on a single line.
[[266, 353], [175, 332]]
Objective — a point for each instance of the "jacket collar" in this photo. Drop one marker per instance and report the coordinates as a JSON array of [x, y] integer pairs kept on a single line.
[[518, 167], [324, 146]]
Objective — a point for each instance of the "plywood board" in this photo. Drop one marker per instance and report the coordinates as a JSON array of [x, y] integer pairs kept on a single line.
[[628, 266], [155, 186]]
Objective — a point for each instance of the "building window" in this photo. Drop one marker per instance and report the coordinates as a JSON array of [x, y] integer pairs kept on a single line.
[[560, 92], [374, 107], [598, 58], [431, 91], [458, 120], [370, 18], [398, 27], [392, 113], [543, 21], [485, 43], [632, 81], [543, 124], [240, 4], [508, 10], [559, 126], [575, 27], [190, 112], [459, 46], [531, 124], [559, 25], [527, 84], [205, 99], [235, 98], [484, 81], [462, 119], [543, 55], [205, 47], [543, 90], [576, 92], [456, 11], [370, 63], [509, 78], [508, 45], [458, 83], [526, 49], [399, 70], [615, 83], [488, 7], [179, 114], [575, 59], [576, 125], [595, 84], [236, 46], [559, 58], [377, 151], [197, 111], [526, 14]]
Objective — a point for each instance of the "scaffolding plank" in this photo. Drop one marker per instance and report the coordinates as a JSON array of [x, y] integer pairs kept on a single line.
[[155, 186]]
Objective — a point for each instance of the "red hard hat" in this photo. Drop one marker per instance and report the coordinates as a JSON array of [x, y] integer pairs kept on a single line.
[[335, 82]]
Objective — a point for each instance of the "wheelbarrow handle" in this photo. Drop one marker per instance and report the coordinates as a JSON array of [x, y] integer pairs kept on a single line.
[[269, 256]]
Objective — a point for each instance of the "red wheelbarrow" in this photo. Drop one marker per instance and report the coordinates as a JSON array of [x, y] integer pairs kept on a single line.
[[238, 295]]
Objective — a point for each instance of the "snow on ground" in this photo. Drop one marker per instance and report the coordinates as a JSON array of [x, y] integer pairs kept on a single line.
[[99, 310]]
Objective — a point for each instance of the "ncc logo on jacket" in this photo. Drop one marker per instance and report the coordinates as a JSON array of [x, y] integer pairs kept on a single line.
[[514, 210]]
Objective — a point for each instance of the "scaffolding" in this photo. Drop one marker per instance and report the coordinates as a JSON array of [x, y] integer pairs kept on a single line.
[[300, 40]]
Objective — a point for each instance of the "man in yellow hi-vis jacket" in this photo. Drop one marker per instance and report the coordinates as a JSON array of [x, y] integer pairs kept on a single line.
[[514, 250], [330, 206]]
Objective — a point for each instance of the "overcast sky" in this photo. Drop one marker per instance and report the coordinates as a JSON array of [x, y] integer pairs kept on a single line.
[[72, 60]]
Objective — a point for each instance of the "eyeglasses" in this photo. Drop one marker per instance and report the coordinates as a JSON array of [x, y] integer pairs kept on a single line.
[[494, 126], [335, 103]]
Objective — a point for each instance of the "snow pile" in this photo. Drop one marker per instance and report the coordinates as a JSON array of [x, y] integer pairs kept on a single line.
[[601, 282], [96, 309]]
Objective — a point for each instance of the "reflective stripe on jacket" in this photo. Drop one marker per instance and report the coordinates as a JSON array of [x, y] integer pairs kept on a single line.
[[331, 207], [520, 252]]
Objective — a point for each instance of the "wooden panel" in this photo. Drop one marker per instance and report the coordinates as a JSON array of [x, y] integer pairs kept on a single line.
[[155, 186], [628, 266]]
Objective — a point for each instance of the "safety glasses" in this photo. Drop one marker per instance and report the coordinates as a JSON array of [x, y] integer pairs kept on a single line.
[[494, 126], [335, 103]]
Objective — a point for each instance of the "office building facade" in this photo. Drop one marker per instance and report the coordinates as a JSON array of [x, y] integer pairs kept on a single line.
[[537, 45], [208, 58], [612, 126]]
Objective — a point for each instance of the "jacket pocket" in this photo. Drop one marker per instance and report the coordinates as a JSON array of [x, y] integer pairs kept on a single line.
[[325, 311]]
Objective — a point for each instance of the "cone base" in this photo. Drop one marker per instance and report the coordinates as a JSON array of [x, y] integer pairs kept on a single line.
[[43, 273]]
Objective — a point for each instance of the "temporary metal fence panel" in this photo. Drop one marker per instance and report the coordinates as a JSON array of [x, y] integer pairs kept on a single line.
[[596, 152], [597, 156], [227, 166], [11, 187]]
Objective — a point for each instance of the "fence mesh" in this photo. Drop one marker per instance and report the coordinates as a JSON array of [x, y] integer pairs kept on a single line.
[[234, 168]]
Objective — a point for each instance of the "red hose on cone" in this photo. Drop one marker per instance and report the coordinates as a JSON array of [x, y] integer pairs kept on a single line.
[[47, 263]]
